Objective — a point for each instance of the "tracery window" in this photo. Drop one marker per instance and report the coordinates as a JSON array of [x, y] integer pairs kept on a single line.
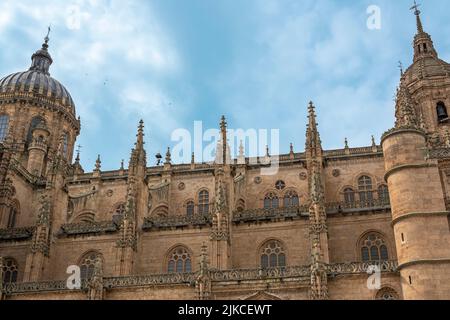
[[273, 255], [190, 208], [179, 261], [271, 201], [349, 196], [374, 248], [4, 126], [387, 294], [291, 199], [280, 185], [10, 271], [365, 190], [87, 264], [383, 194], [203, 202]]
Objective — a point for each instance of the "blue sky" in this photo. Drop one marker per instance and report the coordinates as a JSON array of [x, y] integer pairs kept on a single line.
[[259, 62]]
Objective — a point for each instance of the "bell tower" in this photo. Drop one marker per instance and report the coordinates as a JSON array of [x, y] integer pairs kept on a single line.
[[428, 81], [419, 213]]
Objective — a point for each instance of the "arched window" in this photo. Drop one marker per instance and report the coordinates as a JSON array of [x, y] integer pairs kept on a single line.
[[119, 213], [349, 196], [87, 264], [4, 126], [387, 294], [365, 190], [33, 124], [441, 110], [374, 248], [271, 201], [179, 261], [383, 194], [190, 208], [291, 199], [13, 212], [10, 271], [203, 202], [273, 255]]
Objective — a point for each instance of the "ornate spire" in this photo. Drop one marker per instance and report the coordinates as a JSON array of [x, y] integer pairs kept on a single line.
[[417, 12], [423, 45], [405, 112], [41, 59], [138, 154], [223, 135], [313, 142], [98, 164], [168, 157], [140, 136]]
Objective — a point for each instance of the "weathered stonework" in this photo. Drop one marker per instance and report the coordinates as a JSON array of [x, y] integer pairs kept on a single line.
[[223, 230]]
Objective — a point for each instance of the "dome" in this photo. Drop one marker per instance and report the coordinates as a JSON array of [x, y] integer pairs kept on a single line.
[[427, 67], [36, 84]]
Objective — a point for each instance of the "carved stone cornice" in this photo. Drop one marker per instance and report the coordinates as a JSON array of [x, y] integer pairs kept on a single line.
[[89, 228], [161, 223], [301, 274], [278, 214], [17, 234]]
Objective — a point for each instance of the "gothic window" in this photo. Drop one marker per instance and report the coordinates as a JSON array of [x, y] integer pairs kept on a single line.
[[33, 124], [383, 194], [190, 208], [291, 199], [374, 248], [203, 202], [387, 294], [179, 261], [349, 196], [12, 217], [119, 213], [87, 264], [441, 110], [273, 255], [280, 185], [10, 271], [271, 201], [4, 125], [365, 190]]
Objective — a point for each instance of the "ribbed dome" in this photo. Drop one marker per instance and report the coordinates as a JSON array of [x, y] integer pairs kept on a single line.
[[427, 67], [36, 83]]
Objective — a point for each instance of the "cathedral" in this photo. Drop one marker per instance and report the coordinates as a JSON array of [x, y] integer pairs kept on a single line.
[[370, 223]]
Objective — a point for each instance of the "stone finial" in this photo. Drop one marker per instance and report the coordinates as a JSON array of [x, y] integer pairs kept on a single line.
[[98, 164], [168, 157], [313, 142], [417, 12], [241, 156]]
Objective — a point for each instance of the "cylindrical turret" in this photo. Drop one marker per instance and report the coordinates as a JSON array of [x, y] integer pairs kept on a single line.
[[38, 150], [419, 215]]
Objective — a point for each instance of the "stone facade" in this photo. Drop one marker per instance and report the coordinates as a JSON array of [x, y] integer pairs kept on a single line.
[[223, 230]]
